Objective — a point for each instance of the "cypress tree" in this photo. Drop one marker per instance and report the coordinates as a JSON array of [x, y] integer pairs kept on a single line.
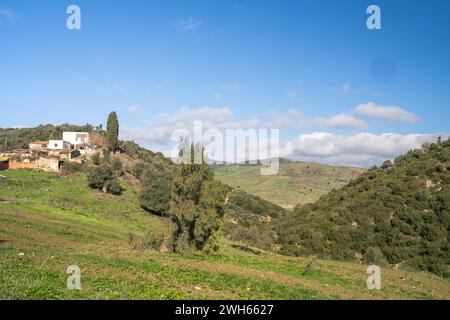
[[112, 132]]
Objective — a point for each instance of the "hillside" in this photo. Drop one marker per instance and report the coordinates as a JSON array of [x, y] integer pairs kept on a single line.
[[60, 222], [20, 138], [151, 174], [248, 217], [397, 214], [297, 183]]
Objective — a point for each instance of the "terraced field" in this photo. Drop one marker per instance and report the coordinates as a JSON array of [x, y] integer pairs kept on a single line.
[[48, 223]]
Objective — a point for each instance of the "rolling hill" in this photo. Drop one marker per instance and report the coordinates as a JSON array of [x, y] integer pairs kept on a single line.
[[297, 183], [397, 214], [49, 222]]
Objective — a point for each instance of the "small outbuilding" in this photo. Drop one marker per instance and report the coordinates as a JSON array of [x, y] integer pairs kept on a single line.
[[39, 145]]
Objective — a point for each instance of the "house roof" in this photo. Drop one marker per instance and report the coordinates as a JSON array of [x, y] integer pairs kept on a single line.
[[40, 142], [2, 159]]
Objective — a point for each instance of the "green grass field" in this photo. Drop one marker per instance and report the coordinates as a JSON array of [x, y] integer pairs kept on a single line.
[[295, 183], [49, 222]]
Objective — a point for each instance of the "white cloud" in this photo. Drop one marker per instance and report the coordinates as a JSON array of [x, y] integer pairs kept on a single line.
[[358, 149], [189, 24], [340, 121], [150, 135], [161, 127], [361, 149], [294, 119], [389, 113], [185, 116], [135, 109]]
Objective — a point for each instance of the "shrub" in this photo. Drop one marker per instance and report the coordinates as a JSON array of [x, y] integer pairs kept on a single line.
[[154, 196], [117, 166], [112, 186], [96, 158], [153, 240], [374, 255], [102, 178], [72, 167]]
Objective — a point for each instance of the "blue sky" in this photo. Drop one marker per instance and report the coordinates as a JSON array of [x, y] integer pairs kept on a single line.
[[308, 66]]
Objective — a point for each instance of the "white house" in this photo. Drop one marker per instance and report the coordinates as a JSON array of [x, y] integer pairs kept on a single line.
[[58, 145], [77, 139]]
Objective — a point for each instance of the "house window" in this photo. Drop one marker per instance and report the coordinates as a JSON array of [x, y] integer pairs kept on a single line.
[[56, 145]]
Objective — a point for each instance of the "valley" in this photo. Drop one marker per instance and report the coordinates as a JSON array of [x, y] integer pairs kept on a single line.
[[60, 222]]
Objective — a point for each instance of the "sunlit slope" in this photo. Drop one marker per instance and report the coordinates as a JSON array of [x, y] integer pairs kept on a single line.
[[48, 223]]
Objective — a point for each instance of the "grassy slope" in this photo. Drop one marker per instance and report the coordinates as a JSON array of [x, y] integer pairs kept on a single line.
[[296, 182], [56, 222]]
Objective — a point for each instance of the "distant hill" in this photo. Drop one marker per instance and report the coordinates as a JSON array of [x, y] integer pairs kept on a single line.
[[297, 183], [396, 214]]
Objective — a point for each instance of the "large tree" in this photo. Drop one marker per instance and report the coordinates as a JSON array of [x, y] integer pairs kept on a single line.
[[197, 207], [112, 132]]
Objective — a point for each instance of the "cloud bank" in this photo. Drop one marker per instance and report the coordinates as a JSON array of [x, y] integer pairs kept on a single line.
[[371, 110], [359, 149], [356, 148]]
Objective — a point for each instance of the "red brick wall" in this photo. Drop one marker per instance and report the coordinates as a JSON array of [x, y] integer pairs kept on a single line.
[[22, 165]]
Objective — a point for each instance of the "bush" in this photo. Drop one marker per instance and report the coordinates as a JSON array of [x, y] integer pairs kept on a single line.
[[102, 178], [154, 239], [155, 196], [72, 167], [112, 186], [375, 256], [117, 167], [96, 158]]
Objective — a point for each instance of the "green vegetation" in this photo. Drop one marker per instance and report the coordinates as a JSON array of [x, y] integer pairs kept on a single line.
[[297, 183], [396, 214], [141, 204], [246, 215], [250, 220], [197, 206], [49, 222], [104, 175], [112, 132], [155, 174], [12, 138]]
